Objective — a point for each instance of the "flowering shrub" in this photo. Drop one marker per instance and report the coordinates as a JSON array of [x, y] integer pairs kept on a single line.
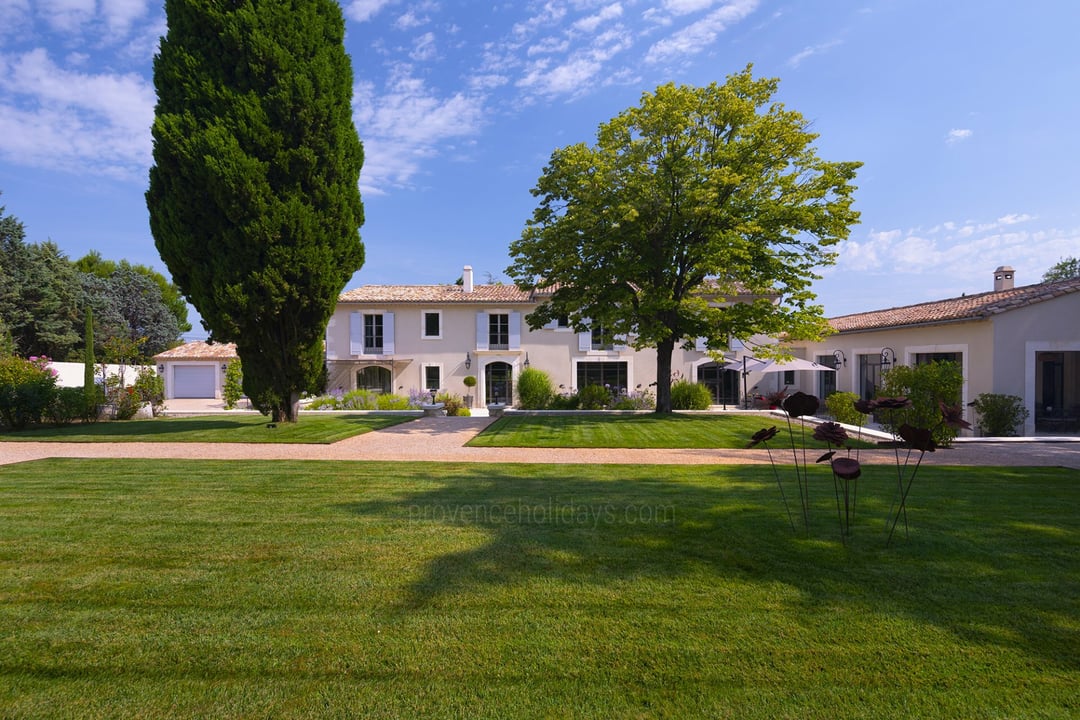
[[594, 397], [27, 389], [635, 400]]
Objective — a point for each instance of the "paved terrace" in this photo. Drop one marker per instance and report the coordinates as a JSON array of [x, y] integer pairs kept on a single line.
[[443, 439]]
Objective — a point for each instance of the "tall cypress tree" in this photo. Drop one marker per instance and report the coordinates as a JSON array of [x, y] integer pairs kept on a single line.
[[253, 197]]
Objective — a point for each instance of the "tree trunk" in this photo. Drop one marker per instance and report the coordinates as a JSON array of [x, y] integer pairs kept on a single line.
[[663, 376], [287, 412]]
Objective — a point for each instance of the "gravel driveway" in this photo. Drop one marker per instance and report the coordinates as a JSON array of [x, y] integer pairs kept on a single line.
[[443, 439]]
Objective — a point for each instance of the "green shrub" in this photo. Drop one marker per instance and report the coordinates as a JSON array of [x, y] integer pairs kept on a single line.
[[451, 403], [687, 395], [535, 390], [999, 415], [125, 401], [150, 387], [324, 402], [27, 389], [841, 405], [68, 405], [233, 389], [389, 401], [360, 399], [594, 397], [926, 386], [571, 401]]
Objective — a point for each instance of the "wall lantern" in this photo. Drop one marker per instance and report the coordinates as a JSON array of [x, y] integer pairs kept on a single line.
[[468, 360], [841, 358], [888, 357], [526, 360], [161, 369]]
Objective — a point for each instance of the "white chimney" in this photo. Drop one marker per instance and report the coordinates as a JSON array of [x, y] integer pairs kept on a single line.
[[466, 279], [1004, 278]]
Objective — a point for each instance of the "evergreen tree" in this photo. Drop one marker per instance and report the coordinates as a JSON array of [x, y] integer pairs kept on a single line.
[[253, 197]]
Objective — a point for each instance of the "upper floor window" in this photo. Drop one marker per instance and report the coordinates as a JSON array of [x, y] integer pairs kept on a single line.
[[432, 324], [498, 331], [373, 334], [562, 321], [602, 339]]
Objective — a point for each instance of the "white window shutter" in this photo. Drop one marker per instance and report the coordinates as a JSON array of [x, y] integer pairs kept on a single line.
[[481, 331], [515, 331], [619, 342], [356, 333], [388, 333], [584, 341], [701, 344]]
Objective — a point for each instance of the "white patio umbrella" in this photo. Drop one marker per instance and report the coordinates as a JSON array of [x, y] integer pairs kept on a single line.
[[747, 365]]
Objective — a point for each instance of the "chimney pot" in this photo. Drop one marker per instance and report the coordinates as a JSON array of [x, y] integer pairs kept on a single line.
[[1004, 278], [467, 279]]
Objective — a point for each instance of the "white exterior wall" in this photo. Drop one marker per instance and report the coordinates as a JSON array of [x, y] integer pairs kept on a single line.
[[551, 349]]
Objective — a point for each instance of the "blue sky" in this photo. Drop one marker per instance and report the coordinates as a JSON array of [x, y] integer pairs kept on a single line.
[[964, 112]]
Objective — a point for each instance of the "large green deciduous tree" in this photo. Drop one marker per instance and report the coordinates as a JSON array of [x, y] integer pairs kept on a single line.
[[694, 198], [254, 199], [1064, 269]]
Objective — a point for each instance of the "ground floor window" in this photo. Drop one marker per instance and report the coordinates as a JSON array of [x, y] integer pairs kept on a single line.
[[870, 368], [723, 384], [826, 380], [374, 379], [432, 378], [1057, 392], [927, 358], [606, 374]]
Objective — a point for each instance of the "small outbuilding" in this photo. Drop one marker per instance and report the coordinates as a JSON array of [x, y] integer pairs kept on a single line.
[[195, 369]]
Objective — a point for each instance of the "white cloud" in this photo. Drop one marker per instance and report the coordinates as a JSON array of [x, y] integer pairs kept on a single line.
[[423, 47], [67, 16], [410, 20], [407, 123], [592, 22], [962, 255], [686, 7], [579, 72], [795, 60], [697, 36], [14, 15], [957, 135], [56, 117], [363, 10], [121, 15]]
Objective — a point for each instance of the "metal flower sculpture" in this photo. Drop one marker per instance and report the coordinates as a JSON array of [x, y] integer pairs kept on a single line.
[[762, 437], [846, 471]]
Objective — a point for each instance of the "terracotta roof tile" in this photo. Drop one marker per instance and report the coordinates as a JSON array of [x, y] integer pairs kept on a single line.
[[199, 350], [486, 294], [960, 309]]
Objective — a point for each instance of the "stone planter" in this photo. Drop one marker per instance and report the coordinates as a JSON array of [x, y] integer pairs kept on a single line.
[[496, 409]]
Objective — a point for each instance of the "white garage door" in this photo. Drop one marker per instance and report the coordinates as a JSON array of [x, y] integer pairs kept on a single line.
[[193, 381]]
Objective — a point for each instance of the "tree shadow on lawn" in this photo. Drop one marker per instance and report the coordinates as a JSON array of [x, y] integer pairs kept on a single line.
[[991, 555]]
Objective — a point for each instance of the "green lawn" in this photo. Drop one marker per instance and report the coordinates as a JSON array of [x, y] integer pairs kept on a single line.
[[636, 431], [195, 589], [318, 429]]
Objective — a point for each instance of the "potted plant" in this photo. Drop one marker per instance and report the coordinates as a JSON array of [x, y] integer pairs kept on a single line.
[[775, 399], [470, 382]]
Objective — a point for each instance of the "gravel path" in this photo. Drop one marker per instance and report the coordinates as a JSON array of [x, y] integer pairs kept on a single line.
[[443, 439]]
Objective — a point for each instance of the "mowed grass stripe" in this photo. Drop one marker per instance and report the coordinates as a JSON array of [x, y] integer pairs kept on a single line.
[[639, 431]]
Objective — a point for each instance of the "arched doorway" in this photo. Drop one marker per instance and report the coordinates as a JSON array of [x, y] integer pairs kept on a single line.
[[499, 383], [374, 379], [723, 384]]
